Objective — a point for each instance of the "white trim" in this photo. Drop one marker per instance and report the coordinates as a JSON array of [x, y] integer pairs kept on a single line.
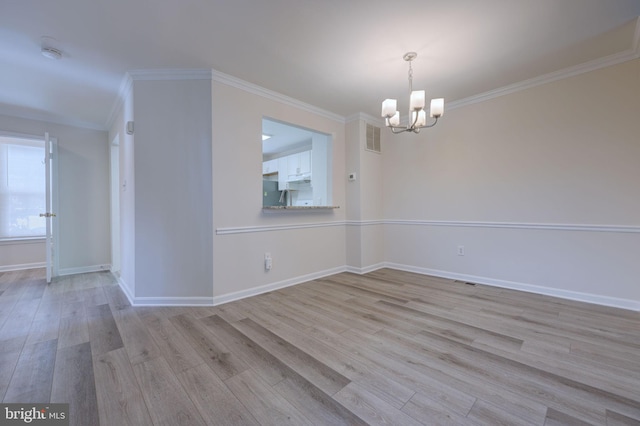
[[530, 288], [22, 135], [232, 81], [218, 300], [521, 225], [230, 297], [20, 241], [83, 269], [596, 64], [268, 228], [171, 301], [634, 229], [22, 266], [366, 269], [55, 205], [47, 117], [125, 288], [160, 301], [171, 74], [190, 74], [363, 116], [220, 77], [365, 222]]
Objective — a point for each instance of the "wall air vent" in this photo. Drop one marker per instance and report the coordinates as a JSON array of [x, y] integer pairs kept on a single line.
[[373, 138]]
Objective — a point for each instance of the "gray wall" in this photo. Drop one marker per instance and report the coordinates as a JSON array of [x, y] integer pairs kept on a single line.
[[173, 189]]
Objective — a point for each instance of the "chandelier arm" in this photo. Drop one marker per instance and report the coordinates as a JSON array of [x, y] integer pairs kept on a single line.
[[415, 120], [432, 124], [395, 130]]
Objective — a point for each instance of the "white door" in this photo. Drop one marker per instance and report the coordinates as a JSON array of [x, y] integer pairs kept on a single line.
[[115, 206], [49, 150]]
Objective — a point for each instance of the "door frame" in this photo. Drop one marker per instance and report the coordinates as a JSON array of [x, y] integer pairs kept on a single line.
[[52, 238], [114, 171]]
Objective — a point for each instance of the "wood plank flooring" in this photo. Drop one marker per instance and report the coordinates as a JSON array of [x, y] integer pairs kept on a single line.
[[388, 347]]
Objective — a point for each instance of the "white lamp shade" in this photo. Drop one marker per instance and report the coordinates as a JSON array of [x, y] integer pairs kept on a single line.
[[389, 107], [437, 107], [394, 120], [417, 100], [422, 118]]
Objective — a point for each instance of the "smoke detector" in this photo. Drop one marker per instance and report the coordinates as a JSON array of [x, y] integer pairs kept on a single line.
[[48, 50], [51, 52]]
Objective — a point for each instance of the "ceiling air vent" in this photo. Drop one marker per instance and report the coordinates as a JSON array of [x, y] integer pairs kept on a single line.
[[373, 138]]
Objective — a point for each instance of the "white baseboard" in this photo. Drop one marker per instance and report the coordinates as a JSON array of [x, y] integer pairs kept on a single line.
[[160, 301], [172, 301], [125, 287], [366, 269], [230, 297], [22, 266], [530, 288], [83, 270]]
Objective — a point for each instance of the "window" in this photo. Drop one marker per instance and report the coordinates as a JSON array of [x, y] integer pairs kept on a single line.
[[22, 188], [296, 166]]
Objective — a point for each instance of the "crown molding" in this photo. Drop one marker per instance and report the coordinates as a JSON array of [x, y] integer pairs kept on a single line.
[[229, 80], [362, 116], [170, 74], [596, 64], [232, 81], [220, 77], [10, 111]]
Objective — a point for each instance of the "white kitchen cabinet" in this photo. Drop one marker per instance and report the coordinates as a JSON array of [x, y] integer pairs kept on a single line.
[[299, 165], [283, 177], [270, 166], [293, 168], [305, 162]]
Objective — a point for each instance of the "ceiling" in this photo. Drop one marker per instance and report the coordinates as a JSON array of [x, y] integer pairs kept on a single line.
[[344, 56]]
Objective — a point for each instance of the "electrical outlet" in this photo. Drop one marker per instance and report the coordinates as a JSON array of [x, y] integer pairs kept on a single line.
[[268, 261], [460, 250]]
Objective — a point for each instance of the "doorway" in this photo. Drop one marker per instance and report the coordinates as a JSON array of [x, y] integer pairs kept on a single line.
[[28, 200]]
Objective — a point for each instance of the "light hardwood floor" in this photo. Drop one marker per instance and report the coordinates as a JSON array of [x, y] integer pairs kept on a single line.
[[388, 347]]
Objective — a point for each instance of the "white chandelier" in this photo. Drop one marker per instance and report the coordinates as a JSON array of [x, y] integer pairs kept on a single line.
[[417, 114]]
